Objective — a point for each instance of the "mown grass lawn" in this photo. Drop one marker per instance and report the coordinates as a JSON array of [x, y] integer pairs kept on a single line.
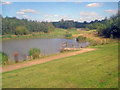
[[95, 69]]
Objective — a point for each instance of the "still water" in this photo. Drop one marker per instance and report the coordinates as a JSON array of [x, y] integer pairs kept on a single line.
[[47, 46]]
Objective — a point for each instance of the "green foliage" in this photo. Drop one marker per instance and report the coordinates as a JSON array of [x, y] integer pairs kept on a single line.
[[23, 26], [68, 35], [21, 30], [9, 36], [81, 39], [48, 28], [67, 24], [3, 58], [108, 27], [34, 52], [93, 43]]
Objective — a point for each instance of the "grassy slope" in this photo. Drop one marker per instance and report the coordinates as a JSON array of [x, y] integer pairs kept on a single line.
[[91, 69], [58, 33]]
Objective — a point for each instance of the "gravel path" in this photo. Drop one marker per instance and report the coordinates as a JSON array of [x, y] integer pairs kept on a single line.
[[43, 60]]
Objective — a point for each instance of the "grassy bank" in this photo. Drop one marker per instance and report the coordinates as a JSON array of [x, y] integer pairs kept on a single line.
[[58, 33], [12, 62], [96, 69]]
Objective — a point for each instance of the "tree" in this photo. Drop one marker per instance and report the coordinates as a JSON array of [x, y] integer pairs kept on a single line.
[[10, 24], [21, 30]]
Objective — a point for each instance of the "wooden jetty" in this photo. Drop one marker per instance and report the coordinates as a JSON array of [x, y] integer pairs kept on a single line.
[[67, 46]]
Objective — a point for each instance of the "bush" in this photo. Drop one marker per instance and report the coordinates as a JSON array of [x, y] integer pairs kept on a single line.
[[68, 35], [81, 39], [92, 42], [9, 36], [21, 30], [16, 57], [34, 52], [3, 58]]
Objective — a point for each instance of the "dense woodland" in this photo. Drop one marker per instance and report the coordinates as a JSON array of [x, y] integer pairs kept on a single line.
[[24, 26], [110, 28], [12, 25], [107, 27], [66, 24]]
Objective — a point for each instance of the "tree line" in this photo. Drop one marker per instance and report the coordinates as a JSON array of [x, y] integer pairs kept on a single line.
[[110, 28], [66, 24], [106, 27], [12, 25]]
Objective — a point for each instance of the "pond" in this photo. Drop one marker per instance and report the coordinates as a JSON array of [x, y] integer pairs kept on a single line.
[[47, 46]]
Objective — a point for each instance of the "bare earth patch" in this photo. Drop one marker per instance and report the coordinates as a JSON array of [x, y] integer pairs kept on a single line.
[[43, 60]]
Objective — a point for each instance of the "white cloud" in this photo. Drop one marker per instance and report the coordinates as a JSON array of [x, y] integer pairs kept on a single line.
[[20, 13], [6, 2], [17, 17], [89, 19], [81, 19], [90, 16], [25, 16], [94, 5], [111, 11], [86, 14], [48, 20], [47, 15], [30, 11], [56, 15], [65, 17]]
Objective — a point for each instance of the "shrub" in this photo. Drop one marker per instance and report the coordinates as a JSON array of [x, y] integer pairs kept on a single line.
[[3, 58], [16, 57], [92, 42], [21, 30], [9, 36], [62, 50], [34, 52], [81, 39], [68, 35]]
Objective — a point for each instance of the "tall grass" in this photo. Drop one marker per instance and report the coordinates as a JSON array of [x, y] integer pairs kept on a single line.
[[34, 53], [3, 58]]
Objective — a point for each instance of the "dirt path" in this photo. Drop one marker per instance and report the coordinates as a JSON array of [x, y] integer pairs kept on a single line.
[[42, 60]]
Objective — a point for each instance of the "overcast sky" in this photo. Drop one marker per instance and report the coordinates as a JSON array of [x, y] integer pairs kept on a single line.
[[55, 11]]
